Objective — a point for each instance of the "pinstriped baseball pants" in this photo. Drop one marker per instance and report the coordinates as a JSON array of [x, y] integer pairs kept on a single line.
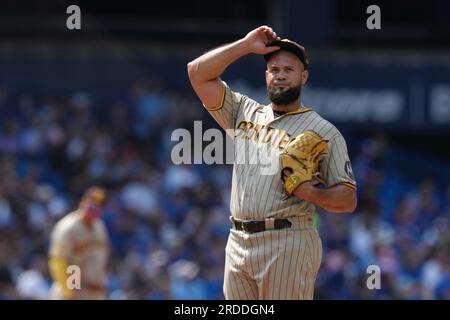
[[274, 264]]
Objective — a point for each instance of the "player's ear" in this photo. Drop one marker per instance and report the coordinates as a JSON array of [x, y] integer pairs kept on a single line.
[[267, 76], [305, 75]]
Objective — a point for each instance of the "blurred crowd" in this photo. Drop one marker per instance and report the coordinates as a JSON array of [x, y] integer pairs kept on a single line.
[[399, 226], [168, 224]]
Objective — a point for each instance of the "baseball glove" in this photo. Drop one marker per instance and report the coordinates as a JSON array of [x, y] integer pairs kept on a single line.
[[302, 156]]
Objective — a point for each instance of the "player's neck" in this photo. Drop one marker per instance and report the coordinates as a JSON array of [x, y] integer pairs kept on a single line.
[[87, 221], [294, 106]]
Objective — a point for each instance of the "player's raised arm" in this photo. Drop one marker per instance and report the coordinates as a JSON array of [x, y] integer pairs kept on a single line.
[[204, 72]]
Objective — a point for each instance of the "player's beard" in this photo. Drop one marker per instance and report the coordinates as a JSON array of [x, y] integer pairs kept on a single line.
[[281, 96]]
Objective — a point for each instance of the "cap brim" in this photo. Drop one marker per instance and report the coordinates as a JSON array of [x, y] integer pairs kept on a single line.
[[287, 46]]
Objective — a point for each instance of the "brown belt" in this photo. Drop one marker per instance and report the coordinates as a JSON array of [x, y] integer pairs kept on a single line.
[[259, 225]]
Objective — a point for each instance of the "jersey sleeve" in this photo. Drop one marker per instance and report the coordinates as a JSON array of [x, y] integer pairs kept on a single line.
[[61, 244], [226, 113], [336, 167]]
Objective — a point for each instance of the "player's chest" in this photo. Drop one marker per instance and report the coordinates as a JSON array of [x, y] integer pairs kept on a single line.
[[263, 128], [88, 240]]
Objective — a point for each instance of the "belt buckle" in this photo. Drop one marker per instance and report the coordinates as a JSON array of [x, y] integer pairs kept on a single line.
[[244, 227]]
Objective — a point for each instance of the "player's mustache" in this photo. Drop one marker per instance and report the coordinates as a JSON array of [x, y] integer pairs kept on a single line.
[[281, 84]]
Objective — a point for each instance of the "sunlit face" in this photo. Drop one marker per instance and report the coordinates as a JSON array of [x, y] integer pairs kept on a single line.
[[285, 76]]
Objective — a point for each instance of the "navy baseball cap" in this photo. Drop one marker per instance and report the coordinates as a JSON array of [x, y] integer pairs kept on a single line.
[[291, 46], [96, 194]]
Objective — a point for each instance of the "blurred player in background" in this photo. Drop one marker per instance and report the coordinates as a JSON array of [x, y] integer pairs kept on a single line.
[[80, 239]]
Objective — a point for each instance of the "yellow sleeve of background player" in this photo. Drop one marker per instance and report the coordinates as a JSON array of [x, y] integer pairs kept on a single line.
[[58, 267]]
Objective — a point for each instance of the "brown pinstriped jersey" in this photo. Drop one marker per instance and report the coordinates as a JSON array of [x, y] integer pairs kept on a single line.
[[257, 191], [86, 247]]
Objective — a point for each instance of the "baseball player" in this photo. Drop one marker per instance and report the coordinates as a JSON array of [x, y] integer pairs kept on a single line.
[[273, 249], [80, 239]]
